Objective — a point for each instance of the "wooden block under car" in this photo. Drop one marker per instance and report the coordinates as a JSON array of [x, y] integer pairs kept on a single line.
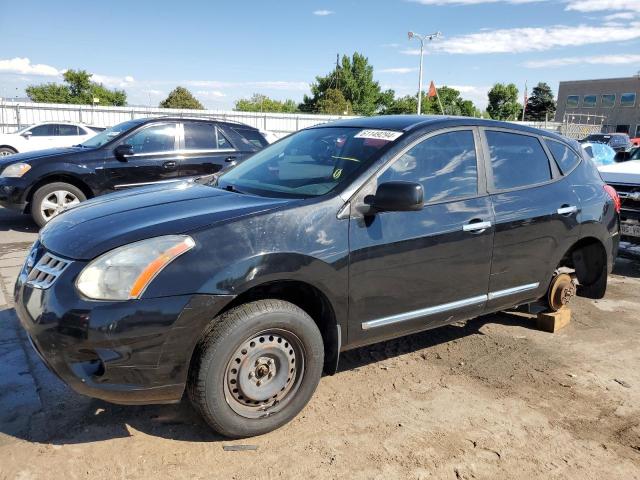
[[553, 321]]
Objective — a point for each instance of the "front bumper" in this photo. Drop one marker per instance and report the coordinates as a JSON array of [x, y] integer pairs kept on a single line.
[[131, 352], [13, 193]]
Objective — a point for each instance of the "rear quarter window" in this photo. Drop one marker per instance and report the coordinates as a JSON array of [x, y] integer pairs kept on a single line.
[[563, 155], [253, 137], [517, 160]]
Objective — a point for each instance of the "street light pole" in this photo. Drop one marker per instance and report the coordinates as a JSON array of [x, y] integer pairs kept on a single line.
[[422, 38]]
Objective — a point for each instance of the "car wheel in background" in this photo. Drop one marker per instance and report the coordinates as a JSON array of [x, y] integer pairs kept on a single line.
[[52, 199], [256, 368], [4, 151]]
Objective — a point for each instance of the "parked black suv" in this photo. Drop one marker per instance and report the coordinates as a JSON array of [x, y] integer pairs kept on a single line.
[[242, 288], [138, 152], [620, 142]]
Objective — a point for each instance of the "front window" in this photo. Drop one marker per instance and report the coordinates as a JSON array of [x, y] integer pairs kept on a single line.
[[154, 139], [109, 134], [309, 163], [46, 130]]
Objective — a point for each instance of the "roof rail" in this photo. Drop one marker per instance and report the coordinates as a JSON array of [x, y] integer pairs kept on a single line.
[[204, 117]]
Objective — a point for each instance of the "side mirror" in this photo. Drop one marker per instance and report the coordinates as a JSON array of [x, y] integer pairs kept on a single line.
[[123, 151], [27, 134], [398, 197], [622, 157]]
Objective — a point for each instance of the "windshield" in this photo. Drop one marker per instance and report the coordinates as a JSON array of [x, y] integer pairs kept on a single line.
[[109, 134], [309, 163]]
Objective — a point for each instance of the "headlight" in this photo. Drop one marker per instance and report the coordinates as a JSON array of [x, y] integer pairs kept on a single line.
[[125, 272], [16, 170]]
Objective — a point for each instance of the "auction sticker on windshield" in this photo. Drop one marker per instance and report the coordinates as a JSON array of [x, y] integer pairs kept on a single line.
[[387, 135]]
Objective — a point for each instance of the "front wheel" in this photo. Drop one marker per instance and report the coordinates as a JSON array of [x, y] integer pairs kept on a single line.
[[256, 368], [52, 199], [4, 151]]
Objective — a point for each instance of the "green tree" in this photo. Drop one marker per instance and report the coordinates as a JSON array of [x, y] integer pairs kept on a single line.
[[334, 103], [452, 104], [77, 89], [262, 103], [180, 97], [503, 102], [541, 104], [354, 78]]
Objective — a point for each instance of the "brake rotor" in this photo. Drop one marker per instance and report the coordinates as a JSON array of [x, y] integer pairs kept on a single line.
[[561, 291]]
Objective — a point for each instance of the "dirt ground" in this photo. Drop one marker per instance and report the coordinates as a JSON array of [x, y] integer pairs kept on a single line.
[[491, 398]]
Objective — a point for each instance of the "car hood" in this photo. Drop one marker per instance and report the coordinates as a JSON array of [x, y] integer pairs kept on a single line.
[[109, 221], [37, 154], [625, 172]]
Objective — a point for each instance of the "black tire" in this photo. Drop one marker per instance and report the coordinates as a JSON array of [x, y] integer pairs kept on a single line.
[[214, 356], [46, 190], [7, 151]]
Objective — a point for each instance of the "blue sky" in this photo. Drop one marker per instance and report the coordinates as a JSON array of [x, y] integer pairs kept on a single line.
[[223, 51]]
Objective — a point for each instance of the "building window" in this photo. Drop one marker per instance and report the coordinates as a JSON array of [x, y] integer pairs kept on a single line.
[[623, 128], [573, 101], [609, 101], [628, 100], [589, 101]]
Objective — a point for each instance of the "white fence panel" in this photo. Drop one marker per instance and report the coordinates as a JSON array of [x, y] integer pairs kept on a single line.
[[14, 115]]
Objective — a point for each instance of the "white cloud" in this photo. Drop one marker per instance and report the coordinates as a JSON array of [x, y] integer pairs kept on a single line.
[[620, 16], [472, 2], [477, 94], [399, 71], [612, 59], [269, 85], [213, 94], [517, 40], [602, 5], [323, 13], [109, 81], [23, 66]]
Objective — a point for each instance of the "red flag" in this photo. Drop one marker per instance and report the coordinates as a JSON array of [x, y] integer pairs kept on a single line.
[[432, 90]]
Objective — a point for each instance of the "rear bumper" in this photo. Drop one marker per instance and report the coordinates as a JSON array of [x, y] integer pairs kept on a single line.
[[132, 352]]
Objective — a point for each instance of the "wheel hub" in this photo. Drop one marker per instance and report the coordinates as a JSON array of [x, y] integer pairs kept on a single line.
[[561, 291], [262, 372]]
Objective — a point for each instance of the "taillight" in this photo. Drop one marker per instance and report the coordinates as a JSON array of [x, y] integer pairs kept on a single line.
[[614, 196]]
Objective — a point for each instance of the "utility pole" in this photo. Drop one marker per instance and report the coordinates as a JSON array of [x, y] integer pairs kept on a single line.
[[422, 38]]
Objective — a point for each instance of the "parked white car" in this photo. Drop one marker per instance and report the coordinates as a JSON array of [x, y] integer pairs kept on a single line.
[[45, 135], [625, 178]]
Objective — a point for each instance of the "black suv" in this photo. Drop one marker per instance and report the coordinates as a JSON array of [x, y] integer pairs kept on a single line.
[[620, 142], [130, 154], [242, 287]]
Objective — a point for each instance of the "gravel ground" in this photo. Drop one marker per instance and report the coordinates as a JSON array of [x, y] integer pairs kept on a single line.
[[489, 398]]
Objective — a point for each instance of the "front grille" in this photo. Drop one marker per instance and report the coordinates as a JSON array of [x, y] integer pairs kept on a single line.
[[46, 271]]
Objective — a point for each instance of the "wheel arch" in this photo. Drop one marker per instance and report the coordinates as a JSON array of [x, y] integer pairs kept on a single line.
[[588, 257], [60, 177], [309, 298], [10, 147]]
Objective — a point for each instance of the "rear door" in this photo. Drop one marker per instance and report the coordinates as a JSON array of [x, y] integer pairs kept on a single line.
[[535, 215], [415, 270], [205, 149], [155, 158]]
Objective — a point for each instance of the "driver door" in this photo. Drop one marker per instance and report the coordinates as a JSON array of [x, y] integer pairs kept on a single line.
[[155, 159], [414, 270]]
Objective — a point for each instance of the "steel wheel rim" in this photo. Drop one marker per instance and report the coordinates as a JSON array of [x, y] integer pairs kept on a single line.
[[57, 202], [4, 153], [264, 373]]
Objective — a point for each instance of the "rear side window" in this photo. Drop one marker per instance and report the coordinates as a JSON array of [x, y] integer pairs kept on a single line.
[[563, 155], [517, 160], [199, 136], [252, 136], [445, 165], [221, 140], [68, 130]]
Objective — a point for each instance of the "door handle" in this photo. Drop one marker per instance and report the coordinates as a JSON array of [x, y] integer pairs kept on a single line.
[[567, 210], [230, 159], [169, 164], [476, 227]]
